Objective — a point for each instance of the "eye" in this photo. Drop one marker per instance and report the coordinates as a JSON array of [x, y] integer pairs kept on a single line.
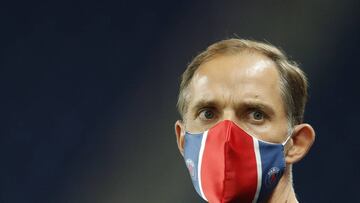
[[207, 114], [257, 115]]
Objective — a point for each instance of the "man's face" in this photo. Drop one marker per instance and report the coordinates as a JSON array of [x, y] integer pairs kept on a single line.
[[243, 88]]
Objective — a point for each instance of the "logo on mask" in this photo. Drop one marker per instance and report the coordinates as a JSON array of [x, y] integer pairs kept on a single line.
[[272, 176], [191, 167]]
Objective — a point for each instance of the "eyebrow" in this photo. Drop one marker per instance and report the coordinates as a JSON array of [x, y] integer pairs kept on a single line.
[[259, 105], [255, 104], [205, 103]]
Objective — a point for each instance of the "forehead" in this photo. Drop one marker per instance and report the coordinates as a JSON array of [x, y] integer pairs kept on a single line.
[[235, 78]]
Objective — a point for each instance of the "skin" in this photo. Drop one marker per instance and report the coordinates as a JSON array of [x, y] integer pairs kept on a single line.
[[245, 89]]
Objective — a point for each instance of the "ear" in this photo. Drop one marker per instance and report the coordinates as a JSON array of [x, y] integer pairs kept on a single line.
[[301, 141], [180, 136]]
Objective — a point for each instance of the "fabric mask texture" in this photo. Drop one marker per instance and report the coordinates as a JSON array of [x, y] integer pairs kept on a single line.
[[226, 164]]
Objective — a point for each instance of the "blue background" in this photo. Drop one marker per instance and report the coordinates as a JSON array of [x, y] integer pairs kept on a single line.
[[88, 92]]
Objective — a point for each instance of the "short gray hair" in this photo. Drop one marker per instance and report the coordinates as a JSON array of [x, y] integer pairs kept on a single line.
[[293, 82]]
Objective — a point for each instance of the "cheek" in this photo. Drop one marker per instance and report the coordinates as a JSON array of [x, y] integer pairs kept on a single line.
[[262, 132], [193, 125], [275, 132]]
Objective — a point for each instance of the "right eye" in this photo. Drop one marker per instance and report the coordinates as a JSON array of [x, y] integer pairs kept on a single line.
[[206, 114]]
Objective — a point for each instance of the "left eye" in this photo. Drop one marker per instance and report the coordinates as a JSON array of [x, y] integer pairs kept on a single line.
[[257, 115], [207, 114]]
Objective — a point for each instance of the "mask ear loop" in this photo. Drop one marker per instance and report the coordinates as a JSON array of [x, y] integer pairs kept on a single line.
[[288, 138]]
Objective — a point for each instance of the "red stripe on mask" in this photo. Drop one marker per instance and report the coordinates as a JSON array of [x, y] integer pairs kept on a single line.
[[228, 169]]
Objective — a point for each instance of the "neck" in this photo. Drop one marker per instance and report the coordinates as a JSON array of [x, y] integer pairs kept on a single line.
[[284, 191]]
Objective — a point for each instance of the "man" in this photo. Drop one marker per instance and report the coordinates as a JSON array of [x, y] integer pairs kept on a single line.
[[242, 104]]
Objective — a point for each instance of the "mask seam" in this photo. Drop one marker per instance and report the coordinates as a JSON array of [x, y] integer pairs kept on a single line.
[[226, 149]]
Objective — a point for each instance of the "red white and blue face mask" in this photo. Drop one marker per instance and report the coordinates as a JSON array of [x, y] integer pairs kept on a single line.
[[226, 164]]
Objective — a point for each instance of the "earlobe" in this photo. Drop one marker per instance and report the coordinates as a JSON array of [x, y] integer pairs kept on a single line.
[[302, 139], [179, 132]]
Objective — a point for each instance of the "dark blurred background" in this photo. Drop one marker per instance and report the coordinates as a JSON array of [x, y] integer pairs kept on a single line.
[[88, 93]]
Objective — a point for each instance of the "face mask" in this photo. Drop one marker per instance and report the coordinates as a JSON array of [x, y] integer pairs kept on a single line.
[[226, 164]]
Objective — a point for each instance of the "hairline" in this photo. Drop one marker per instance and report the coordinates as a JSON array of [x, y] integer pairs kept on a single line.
[[282, 82]]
